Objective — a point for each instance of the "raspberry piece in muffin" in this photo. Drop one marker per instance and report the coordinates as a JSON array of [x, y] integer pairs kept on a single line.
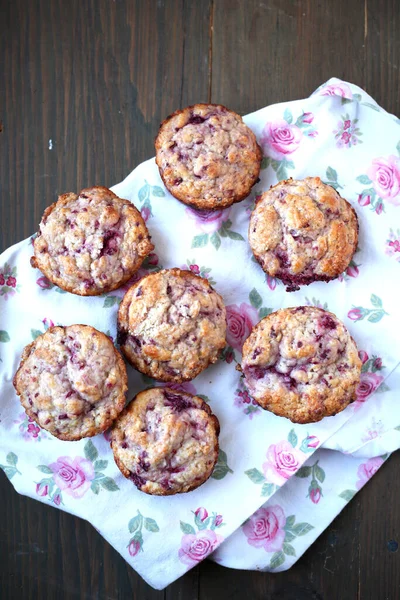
[[171, 325], [91, 243], [301, 363], [166, 441], [303, 231], [207, 157], [72, 381]]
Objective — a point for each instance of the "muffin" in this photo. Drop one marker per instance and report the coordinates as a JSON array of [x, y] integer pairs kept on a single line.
[[72, 381], [171, 325], [91, 243], [166, 441], [208, 158], [303, 231], [301, 363]]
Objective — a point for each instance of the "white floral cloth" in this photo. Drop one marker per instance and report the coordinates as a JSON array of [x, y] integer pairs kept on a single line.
[[274, 489]]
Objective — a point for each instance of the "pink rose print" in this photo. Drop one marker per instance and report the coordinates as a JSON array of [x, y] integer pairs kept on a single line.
[[208, 221], [134, 547], [355, 314], [47, 323], [368, 385], [218, 520], [307, 117], [245, 401], [280, 139], [265, 530], [352, 271], [363, 356], [312, 441], [31, 432], [315, 495], [271, 282], [374, 431], [393, 245], [240, 321], [364, 200], [42, 490], [11, 281], [282, 462], [377, 364], [145, 212], [44, 283], [195, 547], [2, 280], [201, 513], [367, 470], [74, 476], [195, 269], [57, 499], [337, 89], [385, 175], [379, 209], [152, 259], [347, 134], [33, 429], [229, 356]]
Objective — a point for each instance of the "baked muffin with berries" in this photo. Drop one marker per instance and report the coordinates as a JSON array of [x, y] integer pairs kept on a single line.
[[72, 381], [90, 243], [207, 156], [301, 363], [166, 441], [171, 325], [302, 231]]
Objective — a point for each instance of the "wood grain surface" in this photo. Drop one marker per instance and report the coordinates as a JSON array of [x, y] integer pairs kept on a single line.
[[84, 85]]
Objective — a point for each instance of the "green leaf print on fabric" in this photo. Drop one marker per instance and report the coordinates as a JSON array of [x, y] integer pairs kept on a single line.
[[332, 178], [221, 468], [373, 315], [144, 197], [10, 468], [135, 526]]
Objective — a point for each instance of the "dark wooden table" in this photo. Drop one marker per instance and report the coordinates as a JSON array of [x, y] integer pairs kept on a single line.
[[96, 78]]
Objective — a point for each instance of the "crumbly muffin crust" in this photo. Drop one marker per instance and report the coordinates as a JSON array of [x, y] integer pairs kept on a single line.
[[166, 441], [91, 243], [303, 231], [207, 156], [171, 325], [301, 363], [72, 381]]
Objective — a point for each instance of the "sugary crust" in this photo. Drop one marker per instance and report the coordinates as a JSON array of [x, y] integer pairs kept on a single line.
[[301, 363], [72, 381], [91, 243], [207, 157], [171, 325], [166, 441], [303, 231]]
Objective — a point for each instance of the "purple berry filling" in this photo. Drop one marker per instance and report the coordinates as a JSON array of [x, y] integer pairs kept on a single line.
[[122, 336], [137, 480], [327, 322], [176, 402], [195, 120]]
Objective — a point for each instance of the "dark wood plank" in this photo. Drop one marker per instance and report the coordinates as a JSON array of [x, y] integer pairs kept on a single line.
[[267, 52], [96, 78]]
